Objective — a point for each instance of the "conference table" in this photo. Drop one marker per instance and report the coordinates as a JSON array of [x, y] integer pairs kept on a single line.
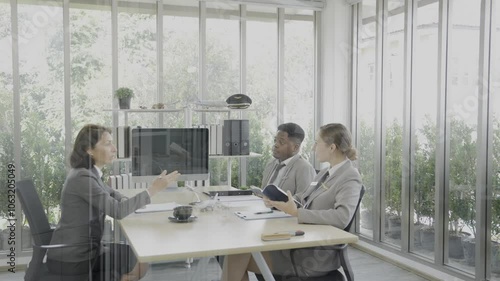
[[154, 238]]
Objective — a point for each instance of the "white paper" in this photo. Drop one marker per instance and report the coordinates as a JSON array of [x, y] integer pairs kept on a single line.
[[255, 215]]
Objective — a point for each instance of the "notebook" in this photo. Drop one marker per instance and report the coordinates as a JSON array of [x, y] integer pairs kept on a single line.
[[275, 193]]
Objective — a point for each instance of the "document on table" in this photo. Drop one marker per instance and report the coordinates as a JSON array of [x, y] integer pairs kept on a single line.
[[235, 198], [253, 215], [157, 207]]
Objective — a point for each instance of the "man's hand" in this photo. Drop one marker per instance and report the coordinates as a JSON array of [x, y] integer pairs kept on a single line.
[[288, 207]]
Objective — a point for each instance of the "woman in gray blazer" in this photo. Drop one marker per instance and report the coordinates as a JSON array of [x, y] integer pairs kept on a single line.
[[330, 199], [85, 202]]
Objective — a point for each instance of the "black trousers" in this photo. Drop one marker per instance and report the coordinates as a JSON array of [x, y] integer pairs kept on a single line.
[[115, 261]]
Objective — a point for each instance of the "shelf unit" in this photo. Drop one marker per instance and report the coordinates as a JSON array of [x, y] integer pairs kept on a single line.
[[188, 114]]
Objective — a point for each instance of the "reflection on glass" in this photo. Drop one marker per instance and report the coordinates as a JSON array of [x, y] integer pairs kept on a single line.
[[137, 59], [6, 105], [495, 176], [90, 66], [425, 98], [42, 112], [366, 113], [299, 79], [393, 93], [462, 115]]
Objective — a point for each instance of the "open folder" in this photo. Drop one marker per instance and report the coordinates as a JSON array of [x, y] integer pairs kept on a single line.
[[253, 215], [157, 207]]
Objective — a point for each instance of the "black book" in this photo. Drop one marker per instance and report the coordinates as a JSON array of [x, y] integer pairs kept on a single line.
[[275, 193]]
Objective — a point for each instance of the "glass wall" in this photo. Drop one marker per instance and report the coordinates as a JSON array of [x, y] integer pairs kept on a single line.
[[180, 59], [495, 149], [90, 48], [223, 50], [366, 112], [393, 93], [443, 56], [299, 75], [137, 58], [463, 63], [261, 82], [41, 92], [425, 92], [7, 115]]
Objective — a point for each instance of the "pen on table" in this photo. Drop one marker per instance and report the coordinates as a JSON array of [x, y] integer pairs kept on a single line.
[[264, 212]]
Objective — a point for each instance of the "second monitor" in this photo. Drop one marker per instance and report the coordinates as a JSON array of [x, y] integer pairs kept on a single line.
[[158, 149]]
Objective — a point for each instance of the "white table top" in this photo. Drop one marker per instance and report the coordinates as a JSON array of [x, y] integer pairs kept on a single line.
[[220, 232]]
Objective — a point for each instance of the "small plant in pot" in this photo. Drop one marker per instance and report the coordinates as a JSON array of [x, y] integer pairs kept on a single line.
[[124, 96]]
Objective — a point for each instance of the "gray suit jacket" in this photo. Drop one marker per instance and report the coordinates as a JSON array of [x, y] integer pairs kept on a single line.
[[85, 201], [334, 203], [297, 175]]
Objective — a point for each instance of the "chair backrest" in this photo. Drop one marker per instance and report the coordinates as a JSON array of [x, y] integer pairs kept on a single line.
[[361, 193], [33, 209], [41, 232]]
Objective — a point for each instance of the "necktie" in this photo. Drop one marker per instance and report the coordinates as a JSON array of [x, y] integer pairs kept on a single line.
[[320, 182], [276, 172]]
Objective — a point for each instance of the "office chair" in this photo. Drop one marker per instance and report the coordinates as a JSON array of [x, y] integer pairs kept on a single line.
[[41, 233], [334, 275]]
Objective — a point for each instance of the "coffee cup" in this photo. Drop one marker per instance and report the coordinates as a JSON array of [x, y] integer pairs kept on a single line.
[[183, 212]]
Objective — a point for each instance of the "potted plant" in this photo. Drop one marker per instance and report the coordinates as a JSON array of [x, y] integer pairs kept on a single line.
[[124, 96]]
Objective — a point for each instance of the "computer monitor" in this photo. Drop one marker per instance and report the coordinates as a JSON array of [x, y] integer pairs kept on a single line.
[[157, 149]]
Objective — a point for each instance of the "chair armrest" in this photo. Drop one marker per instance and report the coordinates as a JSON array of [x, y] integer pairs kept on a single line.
[[58, 246]]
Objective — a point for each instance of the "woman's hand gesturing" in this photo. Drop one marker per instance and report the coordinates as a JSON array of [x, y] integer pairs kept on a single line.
[[162, 181]]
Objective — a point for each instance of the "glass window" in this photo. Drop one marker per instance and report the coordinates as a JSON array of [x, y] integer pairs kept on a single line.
[[462, 118], [180, 58], [222, 50], [495, 176], [425, 98], [299, 74], [42, 112], [90, 65], [262, 68], [393, 94], [137, 59], [366, 112]]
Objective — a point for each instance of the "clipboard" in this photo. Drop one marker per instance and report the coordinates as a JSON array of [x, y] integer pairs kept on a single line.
[[253, 215]]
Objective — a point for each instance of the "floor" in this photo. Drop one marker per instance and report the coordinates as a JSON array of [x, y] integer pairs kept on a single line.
[[365, 266]]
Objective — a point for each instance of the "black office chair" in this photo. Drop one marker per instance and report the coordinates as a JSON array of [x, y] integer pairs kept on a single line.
[[41, 233], [334, 275]]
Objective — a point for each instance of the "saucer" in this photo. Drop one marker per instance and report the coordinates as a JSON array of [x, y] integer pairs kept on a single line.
[[190, 219]]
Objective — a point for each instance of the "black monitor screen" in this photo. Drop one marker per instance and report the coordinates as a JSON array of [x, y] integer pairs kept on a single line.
[[171, 149]]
